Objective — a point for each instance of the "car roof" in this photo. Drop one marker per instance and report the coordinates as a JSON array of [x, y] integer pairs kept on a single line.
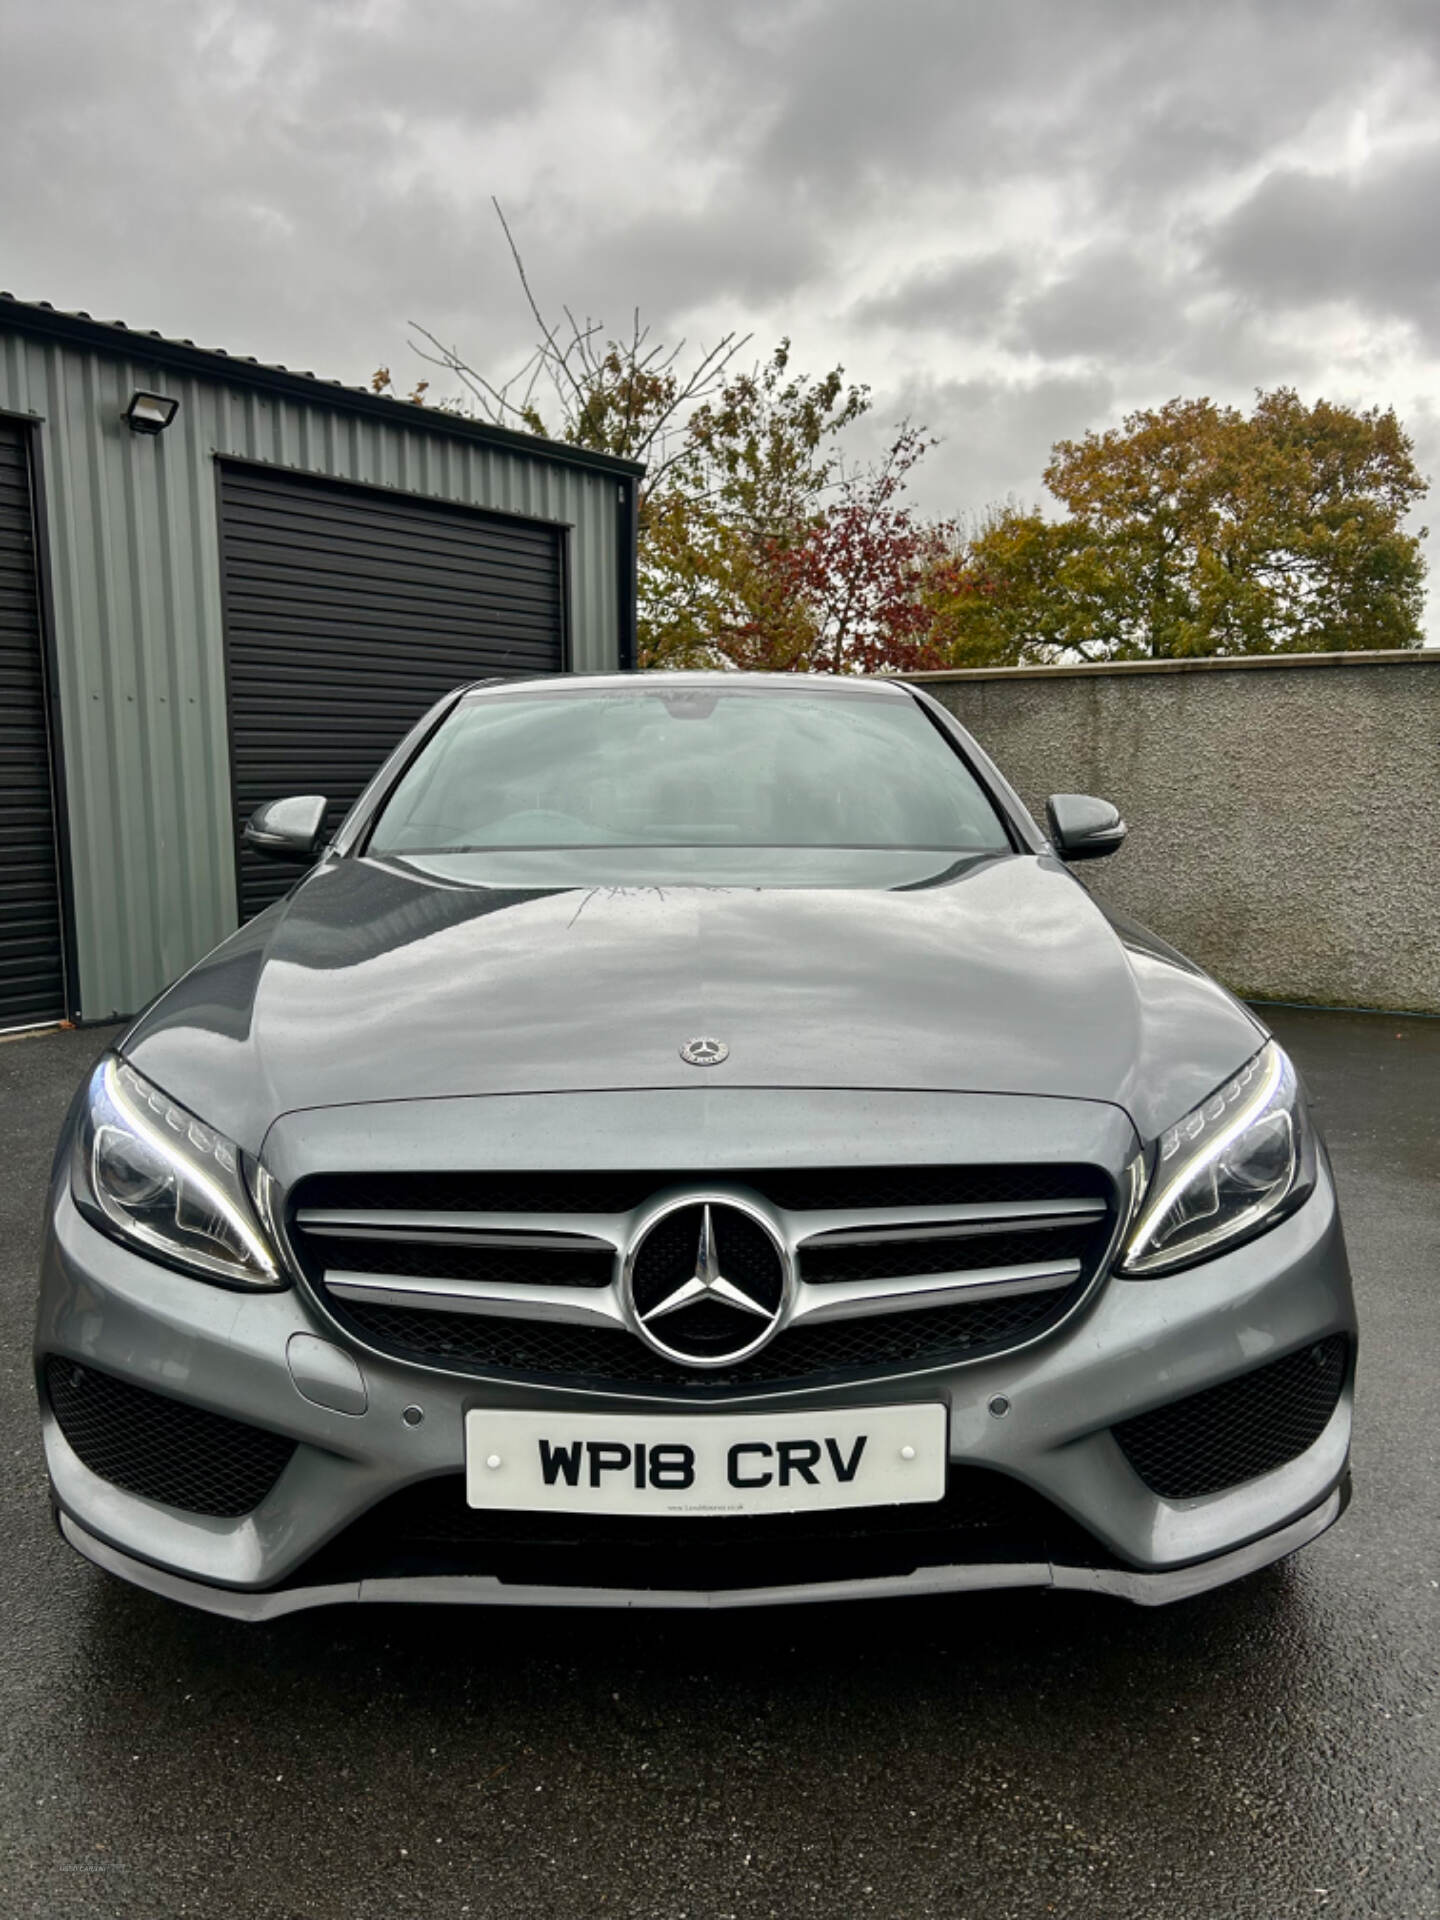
[[695, 677]]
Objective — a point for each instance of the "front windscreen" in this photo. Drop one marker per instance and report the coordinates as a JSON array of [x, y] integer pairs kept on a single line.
[[688, 767]]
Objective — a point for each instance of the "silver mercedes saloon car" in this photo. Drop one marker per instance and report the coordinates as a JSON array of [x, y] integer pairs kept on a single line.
[[691, 1141]]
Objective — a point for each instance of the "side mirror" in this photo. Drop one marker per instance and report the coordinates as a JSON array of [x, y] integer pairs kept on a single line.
[[287, 829], [1084, 828]]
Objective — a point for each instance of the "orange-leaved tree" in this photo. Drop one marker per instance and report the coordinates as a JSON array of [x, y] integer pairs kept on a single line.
[[1196, 529]]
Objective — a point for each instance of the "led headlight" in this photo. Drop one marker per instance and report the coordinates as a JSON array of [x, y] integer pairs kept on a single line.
[[1236, 1164], [151, 1174]]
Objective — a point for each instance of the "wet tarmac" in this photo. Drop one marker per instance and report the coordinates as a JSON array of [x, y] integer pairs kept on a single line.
[[1270, 1750]]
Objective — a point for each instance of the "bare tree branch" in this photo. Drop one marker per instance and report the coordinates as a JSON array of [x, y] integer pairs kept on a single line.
[[547, 332]]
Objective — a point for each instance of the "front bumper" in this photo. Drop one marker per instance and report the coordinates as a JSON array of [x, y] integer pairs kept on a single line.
[[1137, 1345], [1121, 1583]]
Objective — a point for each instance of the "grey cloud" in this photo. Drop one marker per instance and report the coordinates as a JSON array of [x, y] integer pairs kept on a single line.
[[449, 62], [1207, 91], [924, 92], [1111, 305], [1229, 352], [963, 297], [1302, 239], [1118, 102], [739, 249], [994, 435]]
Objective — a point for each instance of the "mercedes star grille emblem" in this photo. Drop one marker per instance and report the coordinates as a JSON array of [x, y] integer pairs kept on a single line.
[[707, 1282], [703, 1052]]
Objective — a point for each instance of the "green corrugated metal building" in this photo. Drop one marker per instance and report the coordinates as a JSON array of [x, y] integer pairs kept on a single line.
[[257, 598]]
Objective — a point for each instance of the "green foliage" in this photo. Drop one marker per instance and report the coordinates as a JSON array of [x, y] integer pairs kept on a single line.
[[741, 497], [1193, 529]]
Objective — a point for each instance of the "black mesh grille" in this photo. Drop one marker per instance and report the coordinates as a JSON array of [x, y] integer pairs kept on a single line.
[[530, 1266], [163, 1449], [882, 1259], [801, 1189], [428, 1528], [1247, 1426], [592, 1355]]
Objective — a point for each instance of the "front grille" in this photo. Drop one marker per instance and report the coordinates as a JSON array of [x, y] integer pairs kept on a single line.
[[428, 1529], [180, 1455], [354, 1233], [1245, 1427], [595, 1356]]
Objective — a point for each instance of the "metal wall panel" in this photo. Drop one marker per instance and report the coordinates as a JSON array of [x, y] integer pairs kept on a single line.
[[32, 968], [134, 545], [348, 613]]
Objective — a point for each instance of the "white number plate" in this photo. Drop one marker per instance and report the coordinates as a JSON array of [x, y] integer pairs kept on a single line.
[[700, 1463]]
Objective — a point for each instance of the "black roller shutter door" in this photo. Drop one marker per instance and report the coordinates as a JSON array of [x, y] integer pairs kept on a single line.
[[32, 971], [348, 611]]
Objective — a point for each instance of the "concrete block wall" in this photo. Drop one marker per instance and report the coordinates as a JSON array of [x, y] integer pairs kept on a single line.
[[1284, 811]]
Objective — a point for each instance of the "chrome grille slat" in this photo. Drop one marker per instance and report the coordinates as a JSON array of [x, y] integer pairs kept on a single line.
[[957, 1223], [438, 1237], [567, 1230], [854, 1299], [581, 1307]]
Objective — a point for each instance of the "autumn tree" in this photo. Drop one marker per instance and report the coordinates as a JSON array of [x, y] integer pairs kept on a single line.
[[1194, 529], [765, 549], [761, 545]]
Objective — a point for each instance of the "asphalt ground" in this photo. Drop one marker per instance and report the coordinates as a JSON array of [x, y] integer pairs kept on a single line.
[[1269, 1750]]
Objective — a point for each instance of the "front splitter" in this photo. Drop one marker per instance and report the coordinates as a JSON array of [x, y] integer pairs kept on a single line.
[[1145, 1589]]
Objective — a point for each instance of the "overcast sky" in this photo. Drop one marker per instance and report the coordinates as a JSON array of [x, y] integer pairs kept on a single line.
[[1013, 220]]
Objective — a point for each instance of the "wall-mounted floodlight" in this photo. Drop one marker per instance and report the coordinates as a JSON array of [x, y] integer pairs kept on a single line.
[[150, 412]]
